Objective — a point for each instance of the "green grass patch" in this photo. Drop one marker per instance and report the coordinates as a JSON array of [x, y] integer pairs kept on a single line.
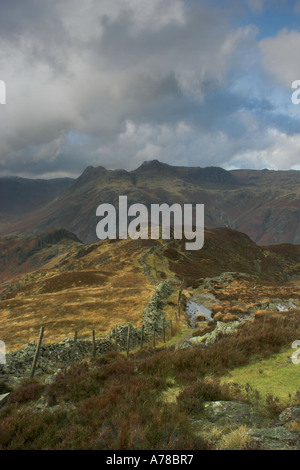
[[276, 375]]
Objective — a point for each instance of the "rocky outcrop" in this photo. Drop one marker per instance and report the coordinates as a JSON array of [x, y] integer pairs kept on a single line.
[[289, 414], [232, 412], [277, 438], [209, 339], [263, 434]]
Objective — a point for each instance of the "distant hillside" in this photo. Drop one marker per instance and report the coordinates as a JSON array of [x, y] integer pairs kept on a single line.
[[264, 204], [20, 255], [19, 195], [59, 282]]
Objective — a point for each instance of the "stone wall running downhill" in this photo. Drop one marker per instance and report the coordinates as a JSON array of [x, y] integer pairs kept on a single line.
[[64, 353]]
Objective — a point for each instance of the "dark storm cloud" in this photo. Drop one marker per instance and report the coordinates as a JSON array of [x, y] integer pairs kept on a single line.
[[134, 80]]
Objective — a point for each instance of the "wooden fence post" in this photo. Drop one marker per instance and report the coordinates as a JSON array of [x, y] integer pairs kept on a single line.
[[128, 339], [164, 331], [142, 337], [179, 298], [116, 338], [93, 344], [171, 326], [75, 342], [36, 354]]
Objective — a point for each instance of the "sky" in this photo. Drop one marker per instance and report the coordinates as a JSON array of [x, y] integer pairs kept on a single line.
[[119, 82]]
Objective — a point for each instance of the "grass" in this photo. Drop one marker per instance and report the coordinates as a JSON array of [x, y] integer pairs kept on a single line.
[[87, 296], [275, 375], [116, 407], [237, 439], [148, 399]]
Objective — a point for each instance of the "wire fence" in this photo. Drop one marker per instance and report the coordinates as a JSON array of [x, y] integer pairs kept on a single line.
[[124, 338]]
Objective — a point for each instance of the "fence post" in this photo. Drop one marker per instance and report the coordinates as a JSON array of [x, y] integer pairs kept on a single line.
[[36, 354], [128, 339], [75, 342], [154, 335], [94, 344], [142, 337], [178, 309], [179, 297], [164, 331], [171, 326], [116, 338]]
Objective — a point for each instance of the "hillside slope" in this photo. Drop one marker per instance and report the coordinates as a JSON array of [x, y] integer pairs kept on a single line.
[[70, 286], [264, 204], [22, 196]]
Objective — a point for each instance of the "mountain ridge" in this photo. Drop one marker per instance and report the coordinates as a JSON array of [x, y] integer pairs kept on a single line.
[[265, 204]]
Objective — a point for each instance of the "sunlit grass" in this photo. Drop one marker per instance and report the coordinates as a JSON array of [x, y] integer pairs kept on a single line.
[[276, 375]]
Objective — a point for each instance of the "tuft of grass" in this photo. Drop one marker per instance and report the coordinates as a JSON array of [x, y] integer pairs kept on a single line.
[[193, 397], [235, 440]]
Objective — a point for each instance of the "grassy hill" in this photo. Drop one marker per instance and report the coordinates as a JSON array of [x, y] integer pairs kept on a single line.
[[196, 390], [156, 399], [69, 286]]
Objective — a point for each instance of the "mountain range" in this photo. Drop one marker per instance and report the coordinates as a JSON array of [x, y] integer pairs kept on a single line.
[[220, 376], [264, 204]]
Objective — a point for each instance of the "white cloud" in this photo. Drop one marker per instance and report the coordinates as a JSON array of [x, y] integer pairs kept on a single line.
[[284, 152], [136, 80], [281, 56], [50, 151]]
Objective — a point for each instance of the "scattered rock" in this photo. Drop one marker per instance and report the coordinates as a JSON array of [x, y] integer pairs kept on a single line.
[[221, 329], [232, 412], [188, 343], [209, 338], [277, 438], [289, 414]]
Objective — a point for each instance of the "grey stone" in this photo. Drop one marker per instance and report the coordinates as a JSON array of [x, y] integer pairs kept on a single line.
[[188, 343], [221, 328], [277, 438], [209, 338], [289, 414], [3, 398], [232, 412]]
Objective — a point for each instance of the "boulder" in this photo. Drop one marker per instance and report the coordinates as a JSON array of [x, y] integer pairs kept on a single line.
[[289, 414], [232, 412], [221, 328], [277, 438]]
